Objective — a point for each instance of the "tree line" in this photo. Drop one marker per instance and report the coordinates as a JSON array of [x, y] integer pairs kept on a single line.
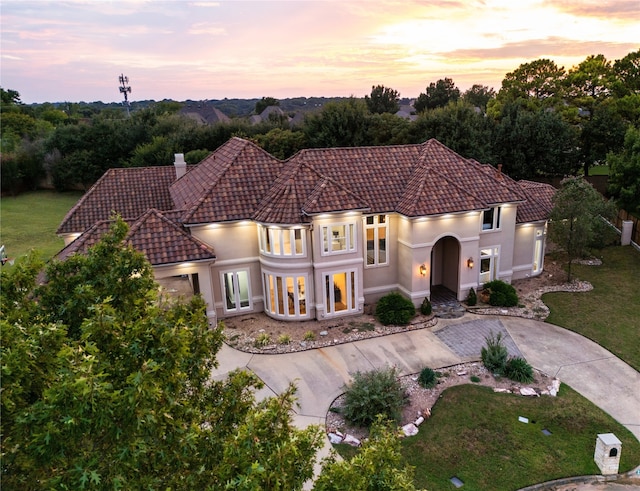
[[544, 121]]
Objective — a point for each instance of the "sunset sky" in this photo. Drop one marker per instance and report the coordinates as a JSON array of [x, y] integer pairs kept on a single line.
[[177, 49]]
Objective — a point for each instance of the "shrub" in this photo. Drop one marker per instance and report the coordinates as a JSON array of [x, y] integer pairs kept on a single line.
[[502, 294], [494, 354], [262, 340], [425, 307], [309, 336], [284, 339], [472, 298], [475, 379], [395, 309], [519, 370], [427, 378], [372, 393]]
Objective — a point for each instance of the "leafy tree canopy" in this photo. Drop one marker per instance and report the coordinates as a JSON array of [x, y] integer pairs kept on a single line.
[[624, 175], [540, 80], [106, 386], [383, 100], [438, 94], [479, 96]]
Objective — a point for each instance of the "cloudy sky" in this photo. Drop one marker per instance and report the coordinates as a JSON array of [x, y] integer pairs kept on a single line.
[[178, 49]]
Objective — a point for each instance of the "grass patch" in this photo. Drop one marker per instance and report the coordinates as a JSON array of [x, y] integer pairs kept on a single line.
[[599, 170], [609, 313], [29, 221], [475, 434]]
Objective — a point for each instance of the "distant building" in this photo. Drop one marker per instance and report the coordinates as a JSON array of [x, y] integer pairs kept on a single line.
[[204, 112]]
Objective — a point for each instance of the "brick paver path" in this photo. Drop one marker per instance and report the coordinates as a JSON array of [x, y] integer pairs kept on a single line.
[[467, 339]]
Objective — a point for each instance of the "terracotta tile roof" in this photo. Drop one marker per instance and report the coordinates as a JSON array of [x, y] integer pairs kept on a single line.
[[539, 202], [300, 192], [128, 192], [227, 185], [161, 239]]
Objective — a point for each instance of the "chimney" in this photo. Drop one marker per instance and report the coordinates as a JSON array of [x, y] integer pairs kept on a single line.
[[499, 171], [181, 165]]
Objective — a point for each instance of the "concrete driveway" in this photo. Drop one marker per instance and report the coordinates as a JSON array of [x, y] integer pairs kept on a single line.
[[321, 374]]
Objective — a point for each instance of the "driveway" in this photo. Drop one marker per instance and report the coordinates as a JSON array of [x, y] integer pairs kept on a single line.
[[320, 374]]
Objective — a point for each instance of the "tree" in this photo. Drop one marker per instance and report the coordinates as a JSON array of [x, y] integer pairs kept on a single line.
[[534, 143], [10, 97], [118, 394], [590, 80], [376, 466], [339, 124], [627, 71], [624, 174], [438, 94], [460, 127], [265, 102], [540, 80], [576, 221], [479, 96], [383, 100]]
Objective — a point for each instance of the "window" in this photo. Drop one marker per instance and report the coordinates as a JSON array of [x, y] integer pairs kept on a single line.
[[538, 252], [491, 219], [286, 295], [488, 264], [338, 238], [340, 292], [376, 230], [235, 288], [281, 242]]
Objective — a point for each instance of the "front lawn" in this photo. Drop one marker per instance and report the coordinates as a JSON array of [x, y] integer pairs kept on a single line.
[[475, 435], [610, 313]]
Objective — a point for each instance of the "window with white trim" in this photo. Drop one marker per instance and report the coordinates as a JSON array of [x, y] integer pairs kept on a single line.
[[338, 238], [538, 252], [489, 264], [376, 231], [236, 290], [281, 241], [285, 296], [340, 292], [491, 218]]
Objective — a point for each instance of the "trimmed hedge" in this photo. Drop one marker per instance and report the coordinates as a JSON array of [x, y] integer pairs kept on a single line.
[[394, 309]]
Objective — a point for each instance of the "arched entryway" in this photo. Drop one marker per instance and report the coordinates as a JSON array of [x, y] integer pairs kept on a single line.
[[445, 269]]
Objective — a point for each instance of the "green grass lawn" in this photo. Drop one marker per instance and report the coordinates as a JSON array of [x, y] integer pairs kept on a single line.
[[29, 221], [610, 313], [475, 434], [599, 170]]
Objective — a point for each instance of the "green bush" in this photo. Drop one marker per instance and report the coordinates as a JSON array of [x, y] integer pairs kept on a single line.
[[262, 340], [425, 307], [284, 339], [427, 378], [494, 354], [502, 294], [372, 393], [472, 298], [519, 370], [309, 336], [395, 309]]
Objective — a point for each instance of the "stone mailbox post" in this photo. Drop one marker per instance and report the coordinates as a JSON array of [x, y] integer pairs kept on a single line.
[[607, 454]]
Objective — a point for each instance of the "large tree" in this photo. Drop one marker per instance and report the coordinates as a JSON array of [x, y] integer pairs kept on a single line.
[[339, 124], [624, 176], [540, 80], [577, 222], [383, 100], [125, 400], [438, 94]]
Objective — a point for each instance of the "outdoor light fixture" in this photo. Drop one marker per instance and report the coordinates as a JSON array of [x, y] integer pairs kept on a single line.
[[470, 263], [423, 270]]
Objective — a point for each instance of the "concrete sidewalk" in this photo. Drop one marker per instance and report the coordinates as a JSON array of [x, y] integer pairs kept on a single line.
[[320, 374]]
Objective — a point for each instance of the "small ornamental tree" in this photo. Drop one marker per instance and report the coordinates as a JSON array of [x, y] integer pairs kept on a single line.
[[577, 223]]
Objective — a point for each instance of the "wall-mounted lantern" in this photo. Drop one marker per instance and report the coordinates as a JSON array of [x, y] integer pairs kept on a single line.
[[423, 270], [470, 263]]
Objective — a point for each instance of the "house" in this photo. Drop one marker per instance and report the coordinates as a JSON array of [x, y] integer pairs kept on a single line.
[[324, 232]]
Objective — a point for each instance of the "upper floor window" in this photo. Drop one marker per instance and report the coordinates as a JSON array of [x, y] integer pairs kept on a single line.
[[376, 230], [491, 219], [338, 238], [282, 242]]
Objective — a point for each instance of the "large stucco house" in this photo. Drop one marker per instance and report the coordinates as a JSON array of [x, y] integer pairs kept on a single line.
[[324, 232]]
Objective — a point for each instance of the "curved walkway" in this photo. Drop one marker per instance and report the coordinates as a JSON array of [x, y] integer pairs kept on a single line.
[[320, 374]]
